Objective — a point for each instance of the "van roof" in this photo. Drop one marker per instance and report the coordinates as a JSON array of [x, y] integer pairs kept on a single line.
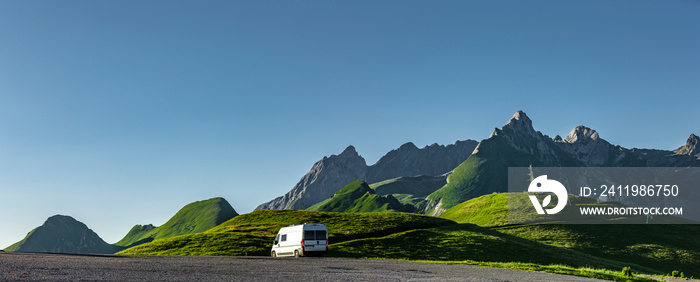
[[314, 224]]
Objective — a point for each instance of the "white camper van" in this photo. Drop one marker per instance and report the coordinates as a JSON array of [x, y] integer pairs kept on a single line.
[[306, 239]]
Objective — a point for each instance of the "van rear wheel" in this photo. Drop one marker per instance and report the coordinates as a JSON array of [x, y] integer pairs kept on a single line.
[[296, 253]]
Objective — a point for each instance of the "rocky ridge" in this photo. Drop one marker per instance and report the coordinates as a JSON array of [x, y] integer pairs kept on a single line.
[[330, 174], [517, 144]]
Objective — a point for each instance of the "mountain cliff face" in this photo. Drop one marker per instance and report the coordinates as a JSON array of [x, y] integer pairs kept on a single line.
[[332, 173], [517, 144], [195, 217], [691, 147], [585, 144], [408, 160], [63, 234], [325, 178], [477, 169]]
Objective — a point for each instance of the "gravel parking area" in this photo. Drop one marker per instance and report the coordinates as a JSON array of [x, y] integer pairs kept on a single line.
[[68, 267]]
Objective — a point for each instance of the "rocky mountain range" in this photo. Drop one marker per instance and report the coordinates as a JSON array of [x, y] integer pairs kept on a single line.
[[481, 171], [425, 180], [330, 174], [517, 144]]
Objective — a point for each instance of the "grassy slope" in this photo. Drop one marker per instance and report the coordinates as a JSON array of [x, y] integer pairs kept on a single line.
[[468, 242], [387, 235], [253, 233], [487, 171], [193, 218], [661, 248], [409, 191], [460, 183], [492, 210], [138, 234], [317, 205], [419, 186], [16, 246], [359, 197], [487, 210], [411, 200]]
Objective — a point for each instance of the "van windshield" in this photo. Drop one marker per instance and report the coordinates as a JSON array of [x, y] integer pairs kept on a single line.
[[315, 235]]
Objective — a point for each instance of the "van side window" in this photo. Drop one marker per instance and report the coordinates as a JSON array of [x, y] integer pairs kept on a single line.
[[284, 237]]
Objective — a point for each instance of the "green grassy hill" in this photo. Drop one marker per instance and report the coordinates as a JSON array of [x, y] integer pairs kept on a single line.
[[253, 233], [487, 210], [421, 185], [652, 249], [359, 197], [193, 218], [63, 234], [486, 171], [410, 190], [663, 248], [468, 242], [659, 248], [383, 235]]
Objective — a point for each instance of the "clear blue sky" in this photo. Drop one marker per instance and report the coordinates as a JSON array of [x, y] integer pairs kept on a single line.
[[119, 113]]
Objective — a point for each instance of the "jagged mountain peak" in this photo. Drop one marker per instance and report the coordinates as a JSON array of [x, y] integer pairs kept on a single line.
[[350, 150], [586, 145], [409, 160], [520, 115], [322, 181], [581, 134], [408, 146], [691, 146], [349, 154], [520, 120], [332, 173], [519, 126]]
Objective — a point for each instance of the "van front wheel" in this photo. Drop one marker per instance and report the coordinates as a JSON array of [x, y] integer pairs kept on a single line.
[[274, 254], [296, 253]]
